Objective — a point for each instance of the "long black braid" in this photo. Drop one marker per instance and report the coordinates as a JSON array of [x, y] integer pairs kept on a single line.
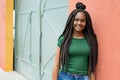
[[88, 33]]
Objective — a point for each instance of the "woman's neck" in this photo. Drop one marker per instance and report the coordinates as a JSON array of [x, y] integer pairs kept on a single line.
[[78, 35]]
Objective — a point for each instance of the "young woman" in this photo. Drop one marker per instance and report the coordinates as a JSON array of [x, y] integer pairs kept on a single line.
[[77, 48]]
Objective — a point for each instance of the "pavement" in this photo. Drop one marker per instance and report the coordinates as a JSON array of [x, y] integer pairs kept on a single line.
[[11, 75]]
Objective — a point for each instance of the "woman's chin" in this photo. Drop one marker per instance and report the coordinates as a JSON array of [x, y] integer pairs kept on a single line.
[[78, 30]]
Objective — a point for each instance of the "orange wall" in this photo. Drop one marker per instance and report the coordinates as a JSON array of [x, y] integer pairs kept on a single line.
[[106, 22], [9, 36], [6, 35]]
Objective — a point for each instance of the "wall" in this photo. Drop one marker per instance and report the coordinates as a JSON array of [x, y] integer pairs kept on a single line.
[[2, 33], [105, 16], [9, 36], [6, 35]]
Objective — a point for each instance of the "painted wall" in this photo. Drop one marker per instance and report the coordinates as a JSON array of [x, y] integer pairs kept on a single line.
[[6, 35], [9, 36], [2, 33], [106, 22]]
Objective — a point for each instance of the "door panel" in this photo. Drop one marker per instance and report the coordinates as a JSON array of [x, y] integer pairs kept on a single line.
[[27, 38], [54, 15]]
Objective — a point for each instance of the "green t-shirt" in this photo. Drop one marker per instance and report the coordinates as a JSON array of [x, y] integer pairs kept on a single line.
[[78, 55]]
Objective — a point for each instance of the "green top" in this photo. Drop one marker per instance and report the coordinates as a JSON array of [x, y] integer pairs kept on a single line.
[[78, 55]]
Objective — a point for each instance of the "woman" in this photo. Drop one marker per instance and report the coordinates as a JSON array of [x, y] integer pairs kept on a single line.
[[77, 48]]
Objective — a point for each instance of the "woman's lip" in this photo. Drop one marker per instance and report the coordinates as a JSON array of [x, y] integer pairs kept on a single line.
[[78, 26]]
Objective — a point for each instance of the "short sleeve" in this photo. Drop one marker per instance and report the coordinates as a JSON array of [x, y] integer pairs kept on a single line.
[[60, 41]]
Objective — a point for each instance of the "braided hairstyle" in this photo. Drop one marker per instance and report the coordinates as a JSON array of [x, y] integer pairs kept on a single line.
[[88, 33]]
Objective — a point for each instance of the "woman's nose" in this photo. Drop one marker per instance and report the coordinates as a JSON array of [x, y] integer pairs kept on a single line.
[[79, 22]]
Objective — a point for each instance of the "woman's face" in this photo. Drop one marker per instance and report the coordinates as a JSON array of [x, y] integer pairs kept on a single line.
[[79, 22]]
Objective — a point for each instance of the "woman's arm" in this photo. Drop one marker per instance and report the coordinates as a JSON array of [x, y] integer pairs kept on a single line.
[[56, 65], [92, 76]]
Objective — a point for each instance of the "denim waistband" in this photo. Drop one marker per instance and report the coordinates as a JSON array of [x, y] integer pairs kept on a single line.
[[68, 76], [68, 73]]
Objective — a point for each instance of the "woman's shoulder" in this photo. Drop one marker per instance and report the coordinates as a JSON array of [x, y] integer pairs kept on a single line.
[[60, 39]]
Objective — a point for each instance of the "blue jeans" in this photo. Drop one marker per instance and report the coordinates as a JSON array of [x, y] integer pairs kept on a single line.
[[68, 76]]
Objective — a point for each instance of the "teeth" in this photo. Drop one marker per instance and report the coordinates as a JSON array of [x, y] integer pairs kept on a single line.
[[78, 27]]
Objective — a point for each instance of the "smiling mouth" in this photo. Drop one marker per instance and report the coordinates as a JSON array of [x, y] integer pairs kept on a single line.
[[78, 26]]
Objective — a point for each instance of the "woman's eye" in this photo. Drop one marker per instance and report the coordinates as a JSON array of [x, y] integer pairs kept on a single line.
[[76, 19], [82, 20]]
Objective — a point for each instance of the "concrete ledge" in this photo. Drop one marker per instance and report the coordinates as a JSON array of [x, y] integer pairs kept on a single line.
[[13, 75]]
